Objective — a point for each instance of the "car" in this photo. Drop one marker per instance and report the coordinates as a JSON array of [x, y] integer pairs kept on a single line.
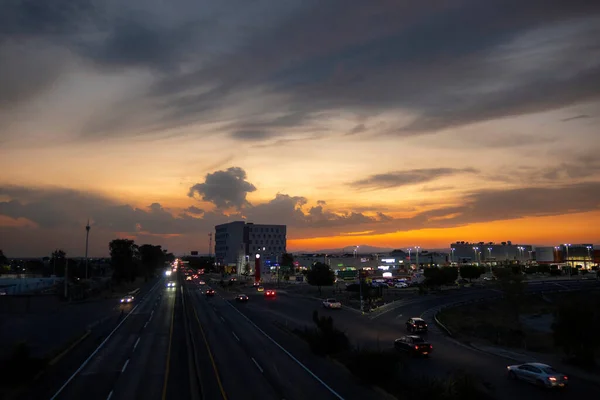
[[401, 285], [260, 289], [270, 293], [414, 345], [489, 278], [127, 299], [201, 282], [210, 292], [241, 298], [331, 303], [416, 324], [170, 284], [539, 374], [255, 284], [188, 278]]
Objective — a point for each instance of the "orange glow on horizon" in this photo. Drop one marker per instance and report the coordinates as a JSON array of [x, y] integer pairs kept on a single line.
[[575, 228]]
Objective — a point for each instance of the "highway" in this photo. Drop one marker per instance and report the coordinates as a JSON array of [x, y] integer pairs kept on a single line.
[[175, 343], [380, 331]]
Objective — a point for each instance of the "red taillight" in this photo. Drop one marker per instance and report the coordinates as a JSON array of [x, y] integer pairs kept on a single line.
[[416, 347], [565, 378], [431, 346]]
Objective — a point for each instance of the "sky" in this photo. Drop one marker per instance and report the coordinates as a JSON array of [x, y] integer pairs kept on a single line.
[[390, 123]]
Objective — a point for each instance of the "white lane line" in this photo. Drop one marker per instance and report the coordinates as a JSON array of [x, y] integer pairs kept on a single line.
[[222, 319], [257, 366], [146, 324], [125, 365], [109, 395], [101, 345], [561, 286], [235, 336], [304, 367], [136, 343]]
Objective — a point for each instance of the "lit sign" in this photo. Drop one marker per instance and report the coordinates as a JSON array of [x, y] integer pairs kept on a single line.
[[388, 260], [387, 274], [384, 267], [363, 260]]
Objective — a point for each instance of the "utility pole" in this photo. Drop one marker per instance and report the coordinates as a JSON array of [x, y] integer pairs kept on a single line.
[[87, 236], [66, 279]]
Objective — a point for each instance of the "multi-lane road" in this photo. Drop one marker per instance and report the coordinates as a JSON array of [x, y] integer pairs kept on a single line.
[[379, 330], [178, 343]]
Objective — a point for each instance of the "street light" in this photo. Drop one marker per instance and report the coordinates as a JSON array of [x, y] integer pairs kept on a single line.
[[475, 248], [589, 249], [409, 259], [417, 249], [567, 259], [452, 249]]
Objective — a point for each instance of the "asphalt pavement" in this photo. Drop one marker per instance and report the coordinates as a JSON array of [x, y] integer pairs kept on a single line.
[[257, 360], [448, 356], [114, 367]]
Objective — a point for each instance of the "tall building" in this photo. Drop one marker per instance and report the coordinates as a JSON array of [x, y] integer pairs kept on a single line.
[[489, 252], [237, 240]]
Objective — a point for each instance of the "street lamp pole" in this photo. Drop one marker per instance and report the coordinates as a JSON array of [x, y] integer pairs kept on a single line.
[[567, 258], [476, 255], [87, 236], [589, 249], [409, 259], [417, 249], [452, 255]]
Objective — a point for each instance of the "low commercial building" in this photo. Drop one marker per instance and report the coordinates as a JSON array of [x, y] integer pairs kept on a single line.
[[489, 252]]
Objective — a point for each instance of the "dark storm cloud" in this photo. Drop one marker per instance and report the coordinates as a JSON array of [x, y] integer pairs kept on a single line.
[[448, 65], [225, 189], [436, 61], [409, 177]]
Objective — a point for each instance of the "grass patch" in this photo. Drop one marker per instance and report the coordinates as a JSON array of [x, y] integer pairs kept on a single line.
[[388, 369], [20, 367], [497, 323]]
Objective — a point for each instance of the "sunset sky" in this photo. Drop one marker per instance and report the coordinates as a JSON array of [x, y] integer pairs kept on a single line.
[[388, 123]]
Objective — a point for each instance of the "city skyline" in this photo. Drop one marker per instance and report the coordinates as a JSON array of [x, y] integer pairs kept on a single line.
[[419, 125]]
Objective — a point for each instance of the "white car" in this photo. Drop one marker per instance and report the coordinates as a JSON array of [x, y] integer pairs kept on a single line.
[[539, 374], [401, 285], [332, 303], [170, 284], [201, 283], [127, 299]]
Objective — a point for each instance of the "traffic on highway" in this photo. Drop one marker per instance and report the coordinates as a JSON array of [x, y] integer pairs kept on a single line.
[[209, 338]]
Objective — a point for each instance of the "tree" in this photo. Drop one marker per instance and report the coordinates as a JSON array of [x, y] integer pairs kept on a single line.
[[58, 262], [471, 272], [287, 262], [320, 275], [440, 276], [123, 257], [246, 269], [577, 327], [3, 259], [151, 258]]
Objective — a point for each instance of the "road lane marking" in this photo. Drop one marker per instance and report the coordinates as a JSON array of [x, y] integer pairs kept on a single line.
[[136, 343], [109, 395], [559, 285], [257, 366], [222, 319], [304, 367], [100, 346], [164, 391], [210, 356], [235, 336], [125, 365], [146, 324]]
